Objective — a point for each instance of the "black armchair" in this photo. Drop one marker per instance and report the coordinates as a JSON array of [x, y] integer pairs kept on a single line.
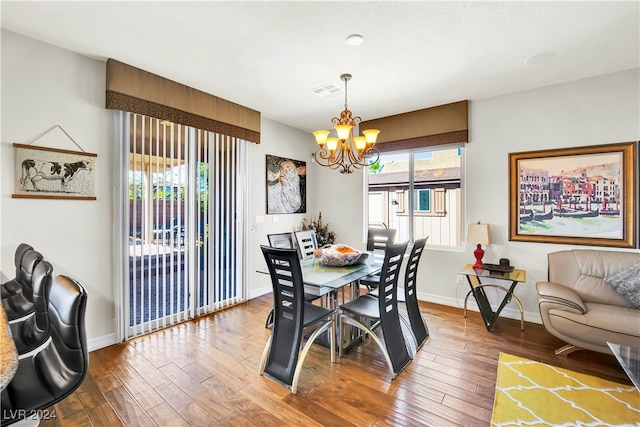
[[56, 369]]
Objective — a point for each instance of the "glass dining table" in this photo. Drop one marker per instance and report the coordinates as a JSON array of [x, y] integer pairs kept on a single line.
[[332, 281]]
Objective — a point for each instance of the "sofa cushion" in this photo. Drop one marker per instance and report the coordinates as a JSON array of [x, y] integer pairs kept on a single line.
[[584, 271], [627, 284]]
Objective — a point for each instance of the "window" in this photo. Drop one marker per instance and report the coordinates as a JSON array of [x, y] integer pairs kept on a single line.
[[419, 194], [422, 201], [186, 194]]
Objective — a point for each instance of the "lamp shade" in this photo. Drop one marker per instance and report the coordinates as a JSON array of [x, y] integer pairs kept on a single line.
[[478, 233]]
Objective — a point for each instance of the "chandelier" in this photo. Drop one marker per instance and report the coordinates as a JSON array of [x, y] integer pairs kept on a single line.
[[346, 152]]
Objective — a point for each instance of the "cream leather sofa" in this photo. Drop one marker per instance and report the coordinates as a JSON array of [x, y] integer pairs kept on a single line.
[[580, 308]]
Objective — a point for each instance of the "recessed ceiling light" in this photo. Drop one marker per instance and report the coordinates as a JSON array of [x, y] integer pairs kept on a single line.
[[541, 58], [355, 40]]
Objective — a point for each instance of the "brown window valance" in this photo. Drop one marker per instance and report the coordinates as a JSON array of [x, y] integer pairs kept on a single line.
[[444, 124], [138, 91]]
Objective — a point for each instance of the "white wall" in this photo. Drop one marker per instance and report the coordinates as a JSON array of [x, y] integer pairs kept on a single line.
[[593, 111], [43, 86], [284, 141]]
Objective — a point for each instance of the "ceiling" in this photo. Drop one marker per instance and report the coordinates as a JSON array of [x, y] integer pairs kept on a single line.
[[270, 55]]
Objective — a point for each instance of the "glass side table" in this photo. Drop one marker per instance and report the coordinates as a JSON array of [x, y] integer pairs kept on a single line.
[[474, 276], [629, 358]]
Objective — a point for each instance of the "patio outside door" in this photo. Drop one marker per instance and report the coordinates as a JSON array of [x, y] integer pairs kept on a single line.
[[185, 204]]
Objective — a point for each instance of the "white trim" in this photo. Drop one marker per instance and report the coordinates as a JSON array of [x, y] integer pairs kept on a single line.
[[508, 312], [101, 342], [120, 216]]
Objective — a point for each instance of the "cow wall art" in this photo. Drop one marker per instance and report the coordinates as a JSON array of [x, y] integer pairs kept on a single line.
[[51, 173], [286, 185]]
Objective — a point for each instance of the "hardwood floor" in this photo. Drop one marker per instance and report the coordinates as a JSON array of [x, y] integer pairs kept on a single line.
[[205, 372]]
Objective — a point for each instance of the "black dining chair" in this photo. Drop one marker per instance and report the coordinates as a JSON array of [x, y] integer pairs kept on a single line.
[[377, 241], [307, 243], [381, 313], [294, 319], [407, 295], [13, 286], [311, 293], [281, 240], [54, 370], [21, 303], [379, 238], [419, 329], [32, 330]]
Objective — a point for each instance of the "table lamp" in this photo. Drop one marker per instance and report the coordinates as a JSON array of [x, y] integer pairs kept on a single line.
[[480, 234]]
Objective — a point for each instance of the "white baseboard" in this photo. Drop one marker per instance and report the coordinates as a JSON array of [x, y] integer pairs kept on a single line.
[[255, 293], [508, 312], [101, 342]]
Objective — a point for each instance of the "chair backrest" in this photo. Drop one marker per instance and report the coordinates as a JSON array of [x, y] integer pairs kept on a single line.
[[307, 243], [50, 375], [67, 307], [281, 240], [379, 238], [388, 305], [20, 251], [410, 292], [32, 331], [41, 293], [288, 318], [30, 259]]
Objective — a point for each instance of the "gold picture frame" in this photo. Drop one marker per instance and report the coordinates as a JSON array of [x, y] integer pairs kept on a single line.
[[577, 196], [52, 173]]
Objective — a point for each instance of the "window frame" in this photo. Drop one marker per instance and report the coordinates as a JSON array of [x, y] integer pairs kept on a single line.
[[408, 202]]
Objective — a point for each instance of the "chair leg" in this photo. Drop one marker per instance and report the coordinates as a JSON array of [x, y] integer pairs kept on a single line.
[[305, 350], [353, 322], [265, 353], [269, 322], [413, 336]]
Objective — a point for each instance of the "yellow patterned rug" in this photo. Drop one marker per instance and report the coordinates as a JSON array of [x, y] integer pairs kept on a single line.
[[531, 393]]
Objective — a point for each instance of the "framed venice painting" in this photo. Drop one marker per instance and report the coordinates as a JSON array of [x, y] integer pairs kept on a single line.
[[577, 196]]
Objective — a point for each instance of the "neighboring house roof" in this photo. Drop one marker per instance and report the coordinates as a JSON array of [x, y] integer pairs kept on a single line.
[[428, 176]]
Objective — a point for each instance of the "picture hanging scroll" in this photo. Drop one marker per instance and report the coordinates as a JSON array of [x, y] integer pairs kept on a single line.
[[51, 173]]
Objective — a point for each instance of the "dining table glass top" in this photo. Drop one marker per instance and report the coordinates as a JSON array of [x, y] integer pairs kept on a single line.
[[316, 274]]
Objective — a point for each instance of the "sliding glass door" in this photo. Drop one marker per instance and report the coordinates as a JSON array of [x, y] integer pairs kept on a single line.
[[183, 205]]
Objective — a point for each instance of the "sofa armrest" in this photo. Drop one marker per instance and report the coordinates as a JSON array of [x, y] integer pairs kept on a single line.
[[558, 295]]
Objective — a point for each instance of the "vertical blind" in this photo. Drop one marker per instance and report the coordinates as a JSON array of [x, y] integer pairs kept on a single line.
[[184, 203]]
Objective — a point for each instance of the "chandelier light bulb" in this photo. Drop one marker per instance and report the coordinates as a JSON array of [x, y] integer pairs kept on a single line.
[[321, 137], [332, 144]]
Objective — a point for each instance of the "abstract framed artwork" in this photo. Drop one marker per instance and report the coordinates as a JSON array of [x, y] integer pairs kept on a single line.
[[578, 196], [51, 173], [286, 185]]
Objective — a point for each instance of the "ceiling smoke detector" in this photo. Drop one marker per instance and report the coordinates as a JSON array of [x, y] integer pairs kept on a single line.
[[355, 40]]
